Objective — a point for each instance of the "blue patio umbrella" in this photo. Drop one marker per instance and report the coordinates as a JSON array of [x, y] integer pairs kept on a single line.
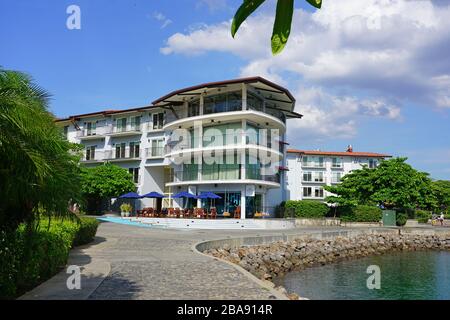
[[184, 194], [153, 194], [130, 195], [209, 195]]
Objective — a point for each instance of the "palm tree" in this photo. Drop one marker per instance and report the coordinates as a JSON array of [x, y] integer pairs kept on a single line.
[[39, 172]]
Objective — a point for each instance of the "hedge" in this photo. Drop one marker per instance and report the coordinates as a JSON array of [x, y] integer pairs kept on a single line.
[[360, 214], [28, 258], [307, 208], [422, 216]]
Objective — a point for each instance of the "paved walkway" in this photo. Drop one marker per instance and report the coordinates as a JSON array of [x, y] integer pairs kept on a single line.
[[129, 262]]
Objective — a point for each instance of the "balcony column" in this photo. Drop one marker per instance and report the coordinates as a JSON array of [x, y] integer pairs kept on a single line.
[[202, 103], [244, 97], [243, 169], [243, 202]]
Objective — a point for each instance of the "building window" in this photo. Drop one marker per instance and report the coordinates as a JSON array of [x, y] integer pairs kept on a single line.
[[307, 176], [336, 163], [318, 192], [254, 102], [121, 125], [373, 163], [157, 147], [318, 177], [90, 128], [225, 102], [90, 153], [158, 120], [194, 108], [336, 177], [135, 173], [136, 123], [134, 149], [120, 150], [307, 192]]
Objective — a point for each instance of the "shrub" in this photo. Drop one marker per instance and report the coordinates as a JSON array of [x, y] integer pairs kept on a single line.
[[86, 232], [360, 214], [422, 216], [28, 257], [307, 208], [401, 219]]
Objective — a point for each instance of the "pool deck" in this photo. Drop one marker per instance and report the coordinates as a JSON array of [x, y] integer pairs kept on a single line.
[[132, 262]]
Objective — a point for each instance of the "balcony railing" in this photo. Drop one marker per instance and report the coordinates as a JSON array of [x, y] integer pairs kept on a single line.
[[154, 152], [88, 133], [310, 164], [255, 174], [335, 180], [130, 127], [123, 154], [337, 166], [211, 141], [92, 156], [314, 180]]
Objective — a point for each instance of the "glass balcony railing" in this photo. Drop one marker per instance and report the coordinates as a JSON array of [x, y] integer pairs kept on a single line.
[[310, 164], [92, 156], [88, 133], [154, 152], [123, 154]]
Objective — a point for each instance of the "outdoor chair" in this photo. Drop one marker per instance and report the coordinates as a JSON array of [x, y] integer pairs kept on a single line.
[[177, 212], [170, 213], [237, 212], [213, 213]]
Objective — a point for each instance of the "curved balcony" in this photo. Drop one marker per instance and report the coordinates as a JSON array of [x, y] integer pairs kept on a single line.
[[250, 115], [231, 174]]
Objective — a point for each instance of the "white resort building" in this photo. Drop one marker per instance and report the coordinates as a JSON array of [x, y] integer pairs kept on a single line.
[[309, 170], [168, 146], [226, 137]]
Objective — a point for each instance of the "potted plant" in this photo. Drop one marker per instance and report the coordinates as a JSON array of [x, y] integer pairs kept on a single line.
[[125, 209]]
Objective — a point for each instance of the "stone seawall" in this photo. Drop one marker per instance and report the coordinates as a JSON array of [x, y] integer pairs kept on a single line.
[[267, 261]]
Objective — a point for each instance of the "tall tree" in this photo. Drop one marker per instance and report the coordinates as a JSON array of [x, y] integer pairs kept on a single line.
[[394, 183], [104, 181], [39, 171], [442, 192], [282, 24]]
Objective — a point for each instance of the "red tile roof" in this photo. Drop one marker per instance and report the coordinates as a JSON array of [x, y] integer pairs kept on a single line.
[[340, 154]]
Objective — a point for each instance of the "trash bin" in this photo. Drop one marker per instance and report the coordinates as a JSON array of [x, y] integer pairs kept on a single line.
[[389, 218]]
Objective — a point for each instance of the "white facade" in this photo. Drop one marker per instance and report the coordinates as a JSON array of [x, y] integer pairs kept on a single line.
[[142, 141], [310, 171]]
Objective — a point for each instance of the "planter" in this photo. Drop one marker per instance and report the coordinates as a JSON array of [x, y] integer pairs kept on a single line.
[[125, 214]]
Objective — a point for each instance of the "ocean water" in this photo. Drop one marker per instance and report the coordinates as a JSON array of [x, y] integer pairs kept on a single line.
[[422, 275]]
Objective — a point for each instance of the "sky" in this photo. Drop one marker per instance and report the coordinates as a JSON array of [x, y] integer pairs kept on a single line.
[[374, 74]]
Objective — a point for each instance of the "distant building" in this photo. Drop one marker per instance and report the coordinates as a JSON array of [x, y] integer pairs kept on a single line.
[[310, 170]]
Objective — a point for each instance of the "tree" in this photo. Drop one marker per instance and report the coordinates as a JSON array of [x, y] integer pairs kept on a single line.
[[39, 169], [442, 193], [394, 183], [104, 181], [282, 24]]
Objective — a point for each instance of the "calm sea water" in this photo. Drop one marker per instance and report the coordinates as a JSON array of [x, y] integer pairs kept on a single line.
[[422, 275]]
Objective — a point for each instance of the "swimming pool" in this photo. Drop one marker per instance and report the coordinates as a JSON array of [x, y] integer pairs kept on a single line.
[[129, 222]]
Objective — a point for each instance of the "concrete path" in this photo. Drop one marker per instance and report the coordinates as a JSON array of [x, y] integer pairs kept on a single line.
[[128, 262]]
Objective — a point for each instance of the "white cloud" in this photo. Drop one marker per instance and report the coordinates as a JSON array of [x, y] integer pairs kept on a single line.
[[379, 50], [213, 5], [162, 18], [327, 115]]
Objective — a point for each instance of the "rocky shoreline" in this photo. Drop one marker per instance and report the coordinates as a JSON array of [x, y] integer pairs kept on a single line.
[[275, 259]]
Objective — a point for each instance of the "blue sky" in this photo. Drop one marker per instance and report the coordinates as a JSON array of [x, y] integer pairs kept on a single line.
[[375, 76]]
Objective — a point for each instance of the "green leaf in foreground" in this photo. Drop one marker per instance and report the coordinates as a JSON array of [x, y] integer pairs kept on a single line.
[[243, 12], [315, 3], [282, 25]]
